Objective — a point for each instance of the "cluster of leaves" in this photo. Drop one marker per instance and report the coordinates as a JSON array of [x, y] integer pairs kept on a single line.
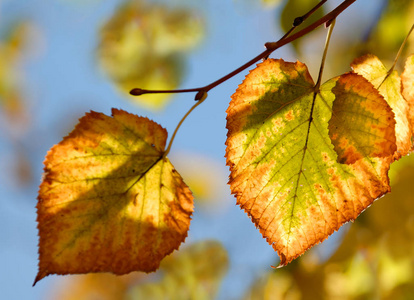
[[303, 162], [373, 260], [145, 44], [193, 273], [304, 159]]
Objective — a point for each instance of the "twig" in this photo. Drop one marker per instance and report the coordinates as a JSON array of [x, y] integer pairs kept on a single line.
[[270, 47]]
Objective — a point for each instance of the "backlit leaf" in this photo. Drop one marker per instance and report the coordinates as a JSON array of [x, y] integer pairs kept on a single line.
[[193, 273], [110, 201], [274, 285], [362, 123], [389, 86], [102, 286], [144, 45], [284, 168], [408, 87]]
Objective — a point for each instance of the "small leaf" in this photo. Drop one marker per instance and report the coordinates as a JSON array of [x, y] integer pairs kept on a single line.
[[389, 87], [284, 168], [109, 200]]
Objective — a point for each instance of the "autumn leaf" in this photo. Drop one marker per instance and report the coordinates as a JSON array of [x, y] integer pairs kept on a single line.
[[12, 52], [407, 78], [389, 87], [284, 169], [193, 273], [362, 124], [102, 286], [109, 200], [144, 45]]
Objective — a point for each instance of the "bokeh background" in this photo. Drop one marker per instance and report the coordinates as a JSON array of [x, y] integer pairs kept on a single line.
[[62, 58]]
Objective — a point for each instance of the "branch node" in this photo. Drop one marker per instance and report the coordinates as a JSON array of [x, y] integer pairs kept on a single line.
[[137, 92], [297, 21], [270, 46], [201, 95]]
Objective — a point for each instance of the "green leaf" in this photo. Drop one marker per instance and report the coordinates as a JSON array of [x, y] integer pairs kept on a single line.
[[284, 168]]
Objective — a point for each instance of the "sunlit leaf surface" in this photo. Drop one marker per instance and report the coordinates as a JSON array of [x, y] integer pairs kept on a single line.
[[389, 86], [408, 87], [284, 169], [110, 201], [144, 45]]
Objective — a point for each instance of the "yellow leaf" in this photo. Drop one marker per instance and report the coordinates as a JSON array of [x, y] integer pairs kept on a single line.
[[193, 273], [274, 286], [12, 50], [110, 201], [143, 45], [102, 286], [389, 87], [408, 87]]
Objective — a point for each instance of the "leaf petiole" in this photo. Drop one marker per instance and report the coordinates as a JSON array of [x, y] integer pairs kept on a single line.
[[325, 51], [397, 56], [202, 96]]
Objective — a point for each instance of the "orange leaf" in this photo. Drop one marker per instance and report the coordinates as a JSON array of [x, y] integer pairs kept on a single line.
[[110, 201], [362, 123]]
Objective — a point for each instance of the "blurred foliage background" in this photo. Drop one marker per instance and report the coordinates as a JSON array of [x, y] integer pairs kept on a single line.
[[61, 58]]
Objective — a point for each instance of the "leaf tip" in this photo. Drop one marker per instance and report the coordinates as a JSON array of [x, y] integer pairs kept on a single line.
[[39, 277]]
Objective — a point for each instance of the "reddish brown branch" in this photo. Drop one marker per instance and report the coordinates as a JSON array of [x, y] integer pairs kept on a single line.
[[270, 47]]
